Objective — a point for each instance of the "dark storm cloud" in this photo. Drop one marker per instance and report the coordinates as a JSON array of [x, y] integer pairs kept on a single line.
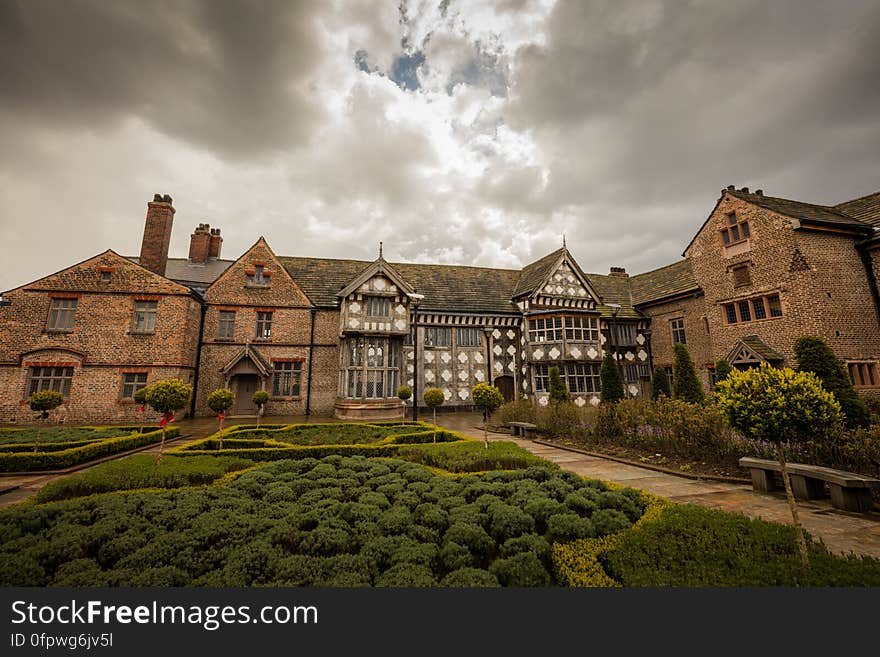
[[226, 76], [675, 100]]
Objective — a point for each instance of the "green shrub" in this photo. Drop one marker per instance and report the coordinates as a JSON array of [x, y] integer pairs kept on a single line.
[[141, 471], [45, 401], [722, 370], [659, 384], [610, 380], [221, 400], [469, 577], [685, 383], [814, 355], [523, 569], [694, 546], [564, 527], [404, 393], [408, 575], [556, 389], [468, 456], [65, 458]]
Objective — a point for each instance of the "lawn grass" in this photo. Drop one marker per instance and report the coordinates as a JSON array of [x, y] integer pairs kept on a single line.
[[471, 456], [325, 434], [142, 471]]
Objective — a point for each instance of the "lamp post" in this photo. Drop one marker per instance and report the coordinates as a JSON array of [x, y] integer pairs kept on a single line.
[[615, 308], [414, 329]]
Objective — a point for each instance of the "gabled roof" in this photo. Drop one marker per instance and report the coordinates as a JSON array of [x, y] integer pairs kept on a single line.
[[752, 349], [251, 353], [533, 274], [805, 212], [185, 272], [864, 208], [378, 266], [669, 281], [445, 287]]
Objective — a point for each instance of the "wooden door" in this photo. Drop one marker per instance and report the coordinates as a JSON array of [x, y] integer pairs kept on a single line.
[[245, 387], [505, 385]]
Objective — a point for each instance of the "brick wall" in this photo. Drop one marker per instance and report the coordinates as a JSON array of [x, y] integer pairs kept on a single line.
[[101, 345], [699, 343], [818, 276]]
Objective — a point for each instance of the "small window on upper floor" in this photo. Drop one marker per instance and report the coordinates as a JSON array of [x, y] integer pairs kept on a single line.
[[678, 334], [105, 275], [735, 230], [258, 277], [61, 313], [144, 318], [863, 375]]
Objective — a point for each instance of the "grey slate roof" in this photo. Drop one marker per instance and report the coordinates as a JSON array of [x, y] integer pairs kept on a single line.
[[185, 272], [864, 208], [808, 212], [671, 280], [614, 289], [446, 288], [533, 274], [760, 347]]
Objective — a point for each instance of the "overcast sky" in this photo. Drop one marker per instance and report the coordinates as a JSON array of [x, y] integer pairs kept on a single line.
[[456, 132]]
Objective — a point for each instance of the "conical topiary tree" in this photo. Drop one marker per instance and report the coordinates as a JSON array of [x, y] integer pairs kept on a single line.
[[220, 401], [722, 370], [167, 397], [44, 402], [609, 377], [434, 397], [556, 387], [685, 384], [814, 355], [659, 384], [782, 407]]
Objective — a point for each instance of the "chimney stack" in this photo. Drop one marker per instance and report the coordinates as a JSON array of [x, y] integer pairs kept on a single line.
[[620, 272], [200, 244], [157, 234], [759, 192], [216, 243], [745, 190]]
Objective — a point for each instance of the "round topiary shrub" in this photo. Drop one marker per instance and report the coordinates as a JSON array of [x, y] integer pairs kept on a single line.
[[565, 527], [609, 521], [407, 575], [395, 521], [520, 570], [469, 577], [532, 543], [580, 504], [454, 556], [326, 541], [509, 522], [473, 537]]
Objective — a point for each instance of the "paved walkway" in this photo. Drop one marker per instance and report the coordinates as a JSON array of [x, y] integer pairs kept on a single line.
[[841, 531]]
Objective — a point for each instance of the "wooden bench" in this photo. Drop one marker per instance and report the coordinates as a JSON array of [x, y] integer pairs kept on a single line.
[[849, 491], [524, 429]]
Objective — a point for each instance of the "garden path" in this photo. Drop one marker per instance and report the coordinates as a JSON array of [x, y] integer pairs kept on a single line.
[[841, 531]]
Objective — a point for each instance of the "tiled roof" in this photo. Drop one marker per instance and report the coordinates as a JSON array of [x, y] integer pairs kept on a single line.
[[668, 281], [533, 274], [760, 347], [614, 289], [445, 287], [802, 211], [865, 208], [188, 273]]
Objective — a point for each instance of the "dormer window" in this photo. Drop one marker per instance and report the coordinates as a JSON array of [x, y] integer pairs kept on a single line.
[[736, 230], [258, 276]]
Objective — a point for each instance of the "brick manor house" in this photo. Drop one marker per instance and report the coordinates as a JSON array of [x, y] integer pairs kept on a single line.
[[326, 336]]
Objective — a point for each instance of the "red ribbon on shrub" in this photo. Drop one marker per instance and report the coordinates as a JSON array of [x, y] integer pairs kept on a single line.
[[141, 408], [166, 419], [221, 415]]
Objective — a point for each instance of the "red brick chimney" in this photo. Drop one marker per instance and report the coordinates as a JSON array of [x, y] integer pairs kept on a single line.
[[620, 272], [216, 243], [157, 234], [200, 244]]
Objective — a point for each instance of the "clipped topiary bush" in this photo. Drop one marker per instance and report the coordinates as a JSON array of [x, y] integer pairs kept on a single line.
[[814, 355], [610, 380], [685, 383]]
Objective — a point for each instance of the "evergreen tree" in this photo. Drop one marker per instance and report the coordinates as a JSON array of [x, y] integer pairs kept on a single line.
[[558, 391], [609, 376], [660, 384], [722, 371], [685, 384], [814, 355]]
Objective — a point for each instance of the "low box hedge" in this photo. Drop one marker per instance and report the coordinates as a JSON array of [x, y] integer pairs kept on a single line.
[[13, 461]]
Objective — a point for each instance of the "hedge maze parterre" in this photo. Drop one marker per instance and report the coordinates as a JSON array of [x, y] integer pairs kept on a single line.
[[56, 448], [333, 505]]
